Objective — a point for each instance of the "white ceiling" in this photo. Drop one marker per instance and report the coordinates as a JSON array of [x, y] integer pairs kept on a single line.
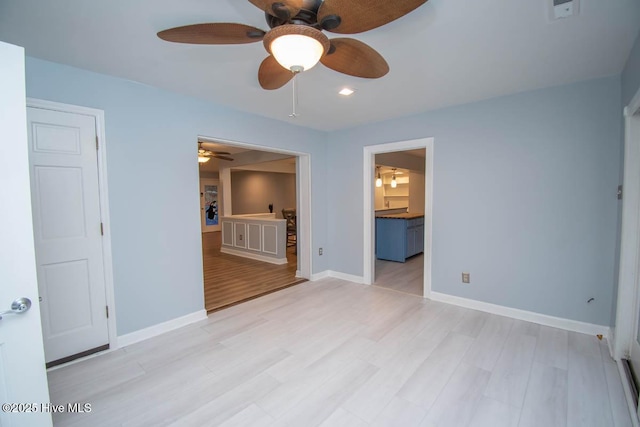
[[447, 52]]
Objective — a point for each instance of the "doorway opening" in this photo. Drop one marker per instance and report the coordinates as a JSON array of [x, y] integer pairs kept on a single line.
[[397, 227], [399, 221], [255, 216]]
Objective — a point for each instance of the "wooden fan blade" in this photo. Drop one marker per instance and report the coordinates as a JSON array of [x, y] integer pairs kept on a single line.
[[203, 147], [284, 9], [357, 16], [222, 157], [217, 33], [352, 57], [209, 153], [271, 74]]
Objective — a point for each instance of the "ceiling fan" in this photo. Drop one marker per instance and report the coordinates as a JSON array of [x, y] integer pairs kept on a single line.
[[295, 41], [205, 155]]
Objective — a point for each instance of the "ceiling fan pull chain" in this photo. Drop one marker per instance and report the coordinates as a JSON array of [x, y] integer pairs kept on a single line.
[[294, 101]]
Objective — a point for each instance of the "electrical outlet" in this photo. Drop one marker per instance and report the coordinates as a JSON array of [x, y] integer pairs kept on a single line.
[[466, 278], [320, 251]]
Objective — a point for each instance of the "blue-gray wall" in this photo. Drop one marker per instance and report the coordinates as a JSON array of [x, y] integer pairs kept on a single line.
[[153, 183], [524, 191], [524, 197]]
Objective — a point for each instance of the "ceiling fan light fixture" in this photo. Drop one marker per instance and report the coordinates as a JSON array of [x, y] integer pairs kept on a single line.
[[203, 159], [296, 47], [346, 91]]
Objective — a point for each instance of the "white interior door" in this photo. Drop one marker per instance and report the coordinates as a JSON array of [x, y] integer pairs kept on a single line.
[[23, 377], [630, 244], [68, 232], [210, 204]]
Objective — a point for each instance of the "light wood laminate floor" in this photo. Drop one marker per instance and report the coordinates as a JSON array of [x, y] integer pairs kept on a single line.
[[333, 353], [405, 277], [229, 279]]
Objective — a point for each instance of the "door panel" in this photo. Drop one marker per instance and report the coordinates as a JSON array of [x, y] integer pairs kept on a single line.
[[22, 372], [67, 291], [66, 207], [630, 245], [61, 215]]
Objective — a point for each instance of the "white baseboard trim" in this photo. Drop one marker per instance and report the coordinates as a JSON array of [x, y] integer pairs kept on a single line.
[[347, 277], [529, 316], [277, 261], [337, 275], [161, 328], [319, 276]]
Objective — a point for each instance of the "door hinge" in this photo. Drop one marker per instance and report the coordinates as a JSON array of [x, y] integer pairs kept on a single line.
[[107, 310], [97, 143], [101, 229], [619, 192]]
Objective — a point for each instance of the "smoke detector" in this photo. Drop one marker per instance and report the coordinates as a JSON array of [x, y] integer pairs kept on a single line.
[[561, 9]]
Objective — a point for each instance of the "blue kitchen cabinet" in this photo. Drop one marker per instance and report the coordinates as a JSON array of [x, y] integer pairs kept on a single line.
[[398, 237]]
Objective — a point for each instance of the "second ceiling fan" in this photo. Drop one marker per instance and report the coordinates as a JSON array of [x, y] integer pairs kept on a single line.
[[296, 42], [204, 155]]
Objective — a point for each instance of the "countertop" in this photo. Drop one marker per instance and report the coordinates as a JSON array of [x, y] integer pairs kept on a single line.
[[402, 216]]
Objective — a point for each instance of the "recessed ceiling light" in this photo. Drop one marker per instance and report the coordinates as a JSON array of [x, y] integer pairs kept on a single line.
[[346, 92]]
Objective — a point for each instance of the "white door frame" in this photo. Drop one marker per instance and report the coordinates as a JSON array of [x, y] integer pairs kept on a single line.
[[303, 189], [369, 224], [104, 202], [630, 238]]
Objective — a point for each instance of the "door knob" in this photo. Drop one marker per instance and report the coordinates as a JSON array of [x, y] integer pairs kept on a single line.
[[19, 306]]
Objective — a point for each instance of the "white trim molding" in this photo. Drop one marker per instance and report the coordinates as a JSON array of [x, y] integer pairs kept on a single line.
[[319, 276], [529, 316], [627, 312], [277, 261], [348, 277], [161, 328], [369, 222], [337, 275], [107, 258]]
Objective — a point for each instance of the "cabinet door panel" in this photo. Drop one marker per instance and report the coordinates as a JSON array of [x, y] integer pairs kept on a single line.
[[411, 242], [390, 239], [419, 239]]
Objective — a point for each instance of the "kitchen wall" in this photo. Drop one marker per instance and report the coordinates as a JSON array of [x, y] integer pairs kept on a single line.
[[415, 165], [253, 191], [416, 192]]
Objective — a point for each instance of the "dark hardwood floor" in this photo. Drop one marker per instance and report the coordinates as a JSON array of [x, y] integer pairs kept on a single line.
[[229, 279]]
